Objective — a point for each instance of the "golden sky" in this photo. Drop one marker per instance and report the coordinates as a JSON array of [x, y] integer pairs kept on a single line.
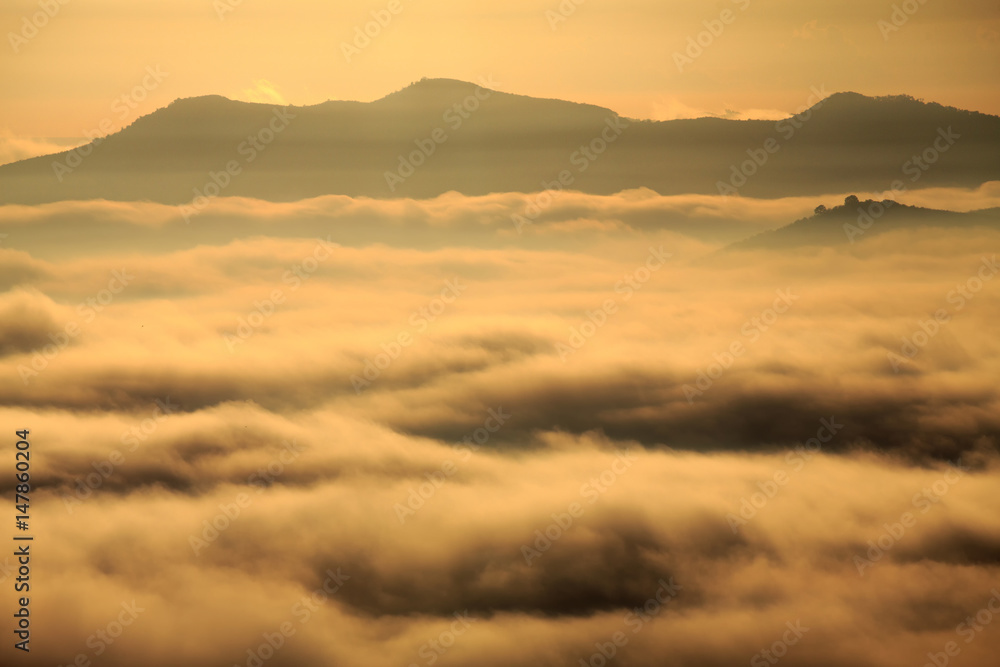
[[65, 79]]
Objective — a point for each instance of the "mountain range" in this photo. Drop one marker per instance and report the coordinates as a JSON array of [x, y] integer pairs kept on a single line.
[[441, 135]]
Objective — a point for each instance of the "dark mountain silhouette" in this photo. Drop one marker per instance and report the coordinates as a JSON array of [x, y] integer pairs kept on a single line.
[[856, 220], [510, 143]]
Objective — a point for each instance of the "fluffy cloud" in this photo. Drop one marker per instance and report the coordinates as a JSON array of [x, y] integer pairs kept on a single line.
[[539, 437]]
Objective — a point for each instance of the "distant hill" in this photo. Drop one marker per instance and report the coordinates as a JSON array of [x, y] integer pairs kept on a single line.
[[856, 220], [507, 142]]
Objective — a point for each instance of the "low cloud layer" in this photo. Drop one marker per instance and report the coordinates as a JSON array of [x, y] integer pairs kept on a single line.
[[557, 220], [352, 447], [545, 556]]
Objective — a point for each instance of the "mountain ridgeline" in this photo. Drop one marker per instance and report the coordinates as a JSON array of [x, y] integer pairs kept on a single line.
[[857, 219], [442, 135]]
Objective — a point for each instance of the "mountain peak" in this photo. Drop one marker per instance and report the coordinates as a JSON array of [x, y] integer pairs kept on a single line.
[[203, 102], [849, 105], [852, 205], [432, 89]]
